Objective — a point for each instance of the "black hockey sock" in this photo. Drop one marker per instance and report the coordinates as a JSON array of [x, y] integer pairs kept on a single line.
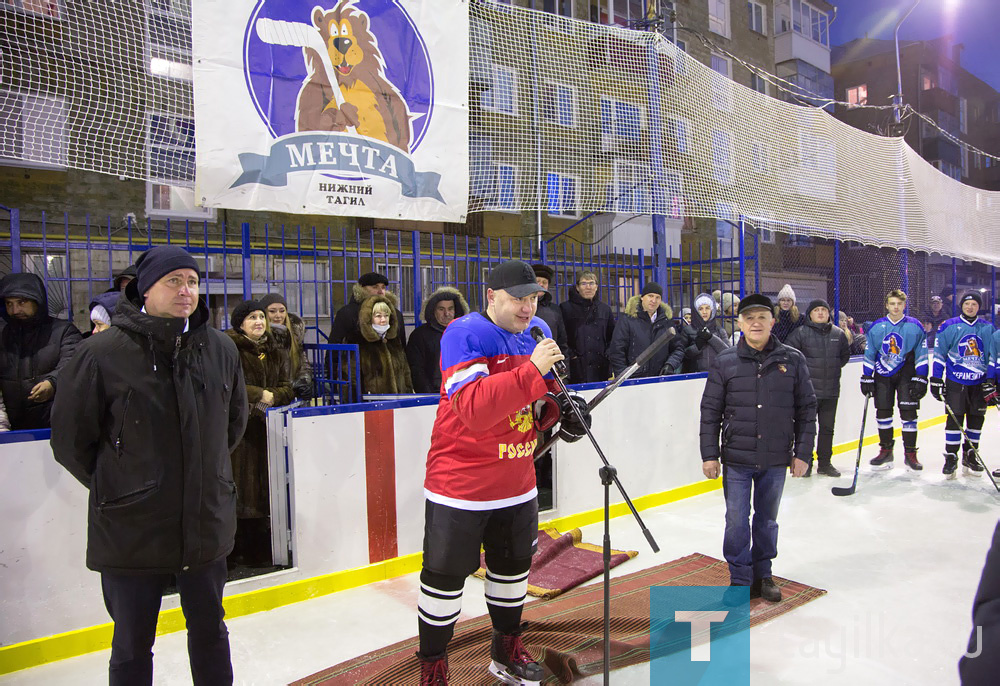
[[952, 434], [909, 417], [506, 588], [438, 608], [884, 420], [885, 438]]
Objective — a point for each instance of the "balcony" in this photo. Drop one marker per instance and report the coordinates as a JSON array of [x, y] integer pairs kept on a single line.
[[794, 46], [942, 149], [934, 99]]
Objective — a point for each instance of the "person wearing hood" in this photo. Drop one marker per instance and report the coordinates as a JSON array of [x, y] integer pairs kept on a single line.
[[122, 279], [423, 350], [267, 374], [384, 368], [933, 319], [729, 303], [289, 332], [645, 319], [827, 349], [705, 336], [590, 324], [101, 308], [548, 311], [145, 417], [786, 314], [345, 322], [34, 350]]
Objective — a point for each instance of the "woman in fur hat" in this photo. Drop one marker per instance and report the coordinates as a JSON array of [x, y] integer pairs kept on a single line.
[[268, 382], [289, 331], [384, 368], [787, 317]]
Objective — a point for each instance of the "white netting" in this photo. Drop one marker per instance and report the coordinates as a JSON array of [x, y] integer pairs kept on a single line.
[[103, 86], [576, 117], [566, 116]]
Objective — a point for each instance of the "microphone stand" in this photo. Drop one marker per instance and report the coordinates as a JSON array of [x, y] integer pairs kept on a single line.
[[608, 475]]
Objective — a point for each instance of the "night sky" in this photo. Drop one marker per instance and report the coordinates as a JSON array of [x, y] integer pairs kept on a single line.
[[976, 23]]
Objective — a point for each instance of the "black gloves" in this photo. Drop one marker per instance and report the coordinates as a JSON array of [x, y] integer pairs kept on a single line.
[[667, 370], [990, 394], [570, 428], [918, 387], [547, 412], [303, 389], [702, 338], [868, 386], [937, 388]]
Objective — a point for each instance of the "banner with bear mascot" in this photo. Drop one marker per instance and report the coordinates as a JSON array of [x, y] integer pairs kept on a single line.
[[340, 107]]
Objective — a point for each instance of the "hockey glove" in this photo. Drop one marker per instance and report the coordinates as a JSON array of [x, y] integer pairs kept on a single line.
[[868, 386], [703, 337], [547, 412], [570, 428], [667, 370], [303, 389], [990, 394], [918, 387], [937, 388]]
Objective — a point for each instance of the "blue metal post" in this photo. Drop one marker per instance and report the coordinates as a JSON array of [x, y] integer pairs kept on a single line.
[[743, 256], [954, 287], [418, 295], [993, 296], [15, 241], [247, 260], [836, 283], [904, 271], [756, 263], [657, 196]]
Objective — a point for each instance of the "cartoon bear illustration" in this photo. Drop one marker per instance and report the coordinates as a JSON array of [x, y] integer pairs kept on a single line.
[[972, 348], [893, 346], [370, 103]]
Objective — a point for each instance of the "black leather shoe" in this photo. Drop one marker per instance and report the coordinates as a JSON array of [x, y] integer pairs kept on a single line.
[[765, 588]]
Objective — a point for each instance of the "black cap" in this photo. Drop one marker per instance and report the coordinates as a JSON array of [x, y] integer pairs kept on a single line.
[[652, 287], [818, 302], [972, 295], [271, 299], [544, 271], [372, 279], [754, 301], [515, 277], [243, 310], [157, 262]]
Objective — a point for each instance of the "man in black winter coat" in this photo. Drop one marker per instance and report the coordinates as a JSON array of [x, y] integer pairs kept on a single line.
[[758, 399], [589, 326], [980, 664], [548, 311], [826, 350], [34, 350], [145, 416], [646, 318], [423, 350]]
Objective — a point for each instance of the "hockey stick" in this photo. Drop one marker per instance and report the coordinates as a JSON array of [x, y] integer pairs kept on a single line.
[[840, 490], [299, 35], [606, 391], [972, 445]]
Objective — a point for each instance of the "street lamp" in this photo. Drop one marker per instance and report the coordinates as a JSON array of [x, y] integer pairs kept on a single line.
[[898, 99]]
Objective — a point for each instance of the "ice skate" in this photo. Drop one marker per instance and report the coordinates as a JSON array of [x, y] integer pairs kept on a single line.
[[512, 663], [970, 464], [911, 461], [883, 460], [950, 468], [433, 670]]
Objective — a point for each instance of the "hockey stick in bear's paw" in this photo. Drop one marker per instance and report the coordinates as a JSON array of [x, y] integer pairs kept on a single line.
[[849, 490], [643, 358], [975, 450]]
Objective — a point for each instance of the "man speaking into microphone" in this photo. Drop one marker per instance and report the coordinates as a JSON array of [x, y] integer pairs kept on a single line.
[[480, 484]]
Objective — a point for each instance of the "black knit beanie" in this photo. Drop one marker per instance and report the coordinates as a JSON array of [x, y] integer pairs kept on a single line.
[[652, 287], [271, 299], [156, 262], [243, 310]]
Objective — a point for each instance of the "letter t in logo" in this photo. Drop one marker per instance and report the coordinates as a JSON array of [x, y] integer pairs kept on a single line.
[[701, 631]]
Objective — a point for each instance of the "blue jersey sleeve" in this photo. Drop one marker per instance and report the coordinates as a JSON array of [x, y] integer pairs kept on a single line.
[[871, 349]]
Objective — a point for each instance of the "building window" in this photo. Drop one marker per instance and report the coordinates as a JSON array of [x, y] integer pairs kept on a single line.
[[858, 95], [758, 83], [722, 157], [53, 9], [305, 285], [718, 17], [721, 90], [561, 195], [33, 129], [677, 129], [168, 27], [720, 64], [759, 157], [965, 161], [563, 8], [622, 119], [963, 115], [757, 17], [805, 19], [506, 185], [501, 96], [170, 159], [630, 190], [558, 104]]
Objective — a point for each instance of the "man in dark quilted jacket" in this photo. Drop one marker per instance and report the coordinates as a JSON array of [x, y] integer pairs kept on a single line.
[[758, 418]]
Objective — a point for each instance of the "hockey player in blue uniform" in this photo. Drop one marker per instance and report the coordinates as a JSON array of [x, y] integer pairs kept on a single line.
[[962, 353], [895, 366]]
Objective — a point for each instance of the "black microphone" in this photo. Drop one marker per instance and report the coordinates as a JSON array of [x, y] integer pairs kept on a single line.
[[560, 366]]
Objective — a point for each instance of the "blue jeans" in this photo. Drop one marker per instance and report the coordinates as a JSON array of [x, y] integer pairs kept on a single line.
[[750, 549]]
